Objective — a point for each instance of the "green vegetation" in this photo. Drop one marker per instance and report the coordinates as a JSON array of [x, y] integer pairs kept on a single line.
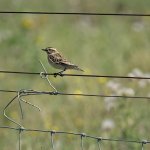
[[105, 45]]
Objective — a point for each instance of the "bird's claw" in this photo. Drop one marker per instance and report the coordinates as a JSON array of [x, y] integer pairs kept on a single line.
[[58, 73]]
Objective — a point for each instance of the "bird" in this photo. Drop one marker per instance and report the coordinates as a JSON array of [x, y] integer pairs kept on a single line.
[[56, 60]]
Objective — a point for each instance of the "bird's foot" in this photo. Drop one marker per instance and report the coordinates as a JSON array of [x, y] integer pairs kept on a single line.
[[58, 73]]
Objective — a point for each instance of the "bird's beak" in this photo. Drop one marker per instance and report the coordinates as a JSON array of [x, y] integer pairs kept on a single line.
[[43, 49]]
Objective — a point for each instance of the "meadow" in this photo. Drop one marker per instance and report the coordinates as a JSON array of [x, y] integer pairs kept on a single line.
[[104, 45]]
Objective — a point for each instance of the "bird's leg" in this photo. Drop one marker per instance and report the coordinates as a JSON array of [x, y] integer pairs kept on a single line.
[[59, 73]]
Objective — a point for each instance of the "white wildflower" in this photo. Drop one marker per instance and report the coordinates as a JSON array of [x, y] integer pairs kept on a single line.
[[138, 26], [126, 91], [136, 73], [108, 124], [110, 103], [114, 86]]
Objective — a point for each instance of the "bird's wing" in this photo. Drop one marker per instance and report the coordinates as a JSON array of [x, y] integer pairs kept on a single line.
[[60, 60], [55, 58], [65, 62]]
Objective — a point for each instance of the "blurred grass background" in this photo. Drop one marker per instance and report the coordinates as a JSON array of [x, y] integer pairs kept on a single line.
[[105, 45]]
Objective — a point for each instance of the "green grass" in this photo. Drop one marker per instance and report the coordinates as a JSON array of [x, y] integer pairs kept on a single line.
[[100, 45]]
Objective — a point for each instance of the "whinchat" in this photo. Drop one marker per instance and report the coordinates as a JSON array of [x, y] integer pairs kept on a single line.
[[56, 60]]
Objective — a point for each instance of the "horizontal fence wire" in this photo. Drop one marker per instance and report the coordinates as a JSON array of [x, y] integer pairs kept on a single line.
[[76, 75], [76, 13], [79, 134], [33, 92]]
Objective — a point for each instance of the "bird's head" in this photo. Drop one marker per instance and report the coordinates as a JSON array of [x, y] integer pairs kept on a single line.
[[49, 50]]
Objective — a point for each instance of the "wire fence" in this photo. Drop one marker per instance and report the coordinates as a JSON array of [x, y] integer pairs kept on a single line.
[[82, 136], [76, 75], [33, 92], [76, 13], [52, 133], [44, 75]]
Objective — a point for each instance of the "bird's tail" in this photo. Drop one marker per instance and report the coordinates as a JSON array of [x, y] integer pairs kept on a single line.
[[77, 68]]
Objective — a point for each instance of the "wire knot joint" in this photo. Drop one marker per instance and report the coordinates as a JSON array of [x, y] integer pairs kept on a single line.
[[43, 75], [99, 139], [144, 141], [83, 135], [53, 132], [21, 129]]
